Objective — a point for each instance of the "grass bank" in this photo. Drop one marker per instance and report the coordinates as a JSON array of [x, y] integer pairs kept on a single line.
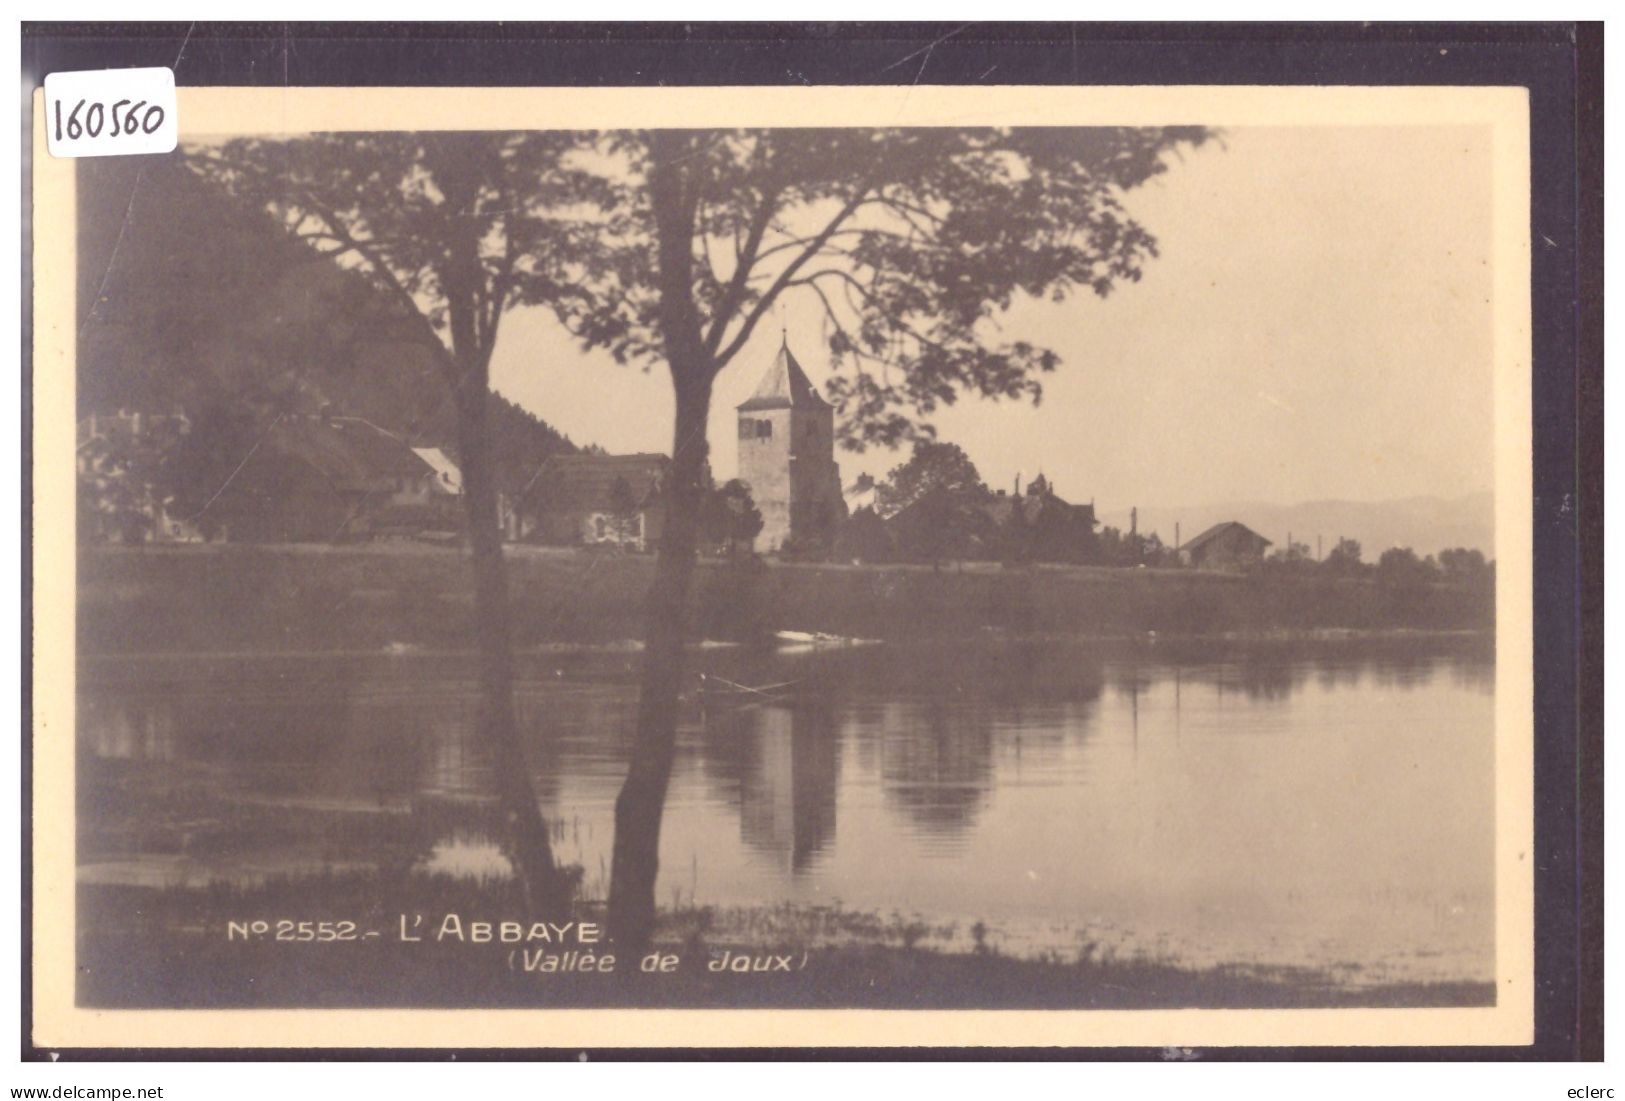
[[317, 597]]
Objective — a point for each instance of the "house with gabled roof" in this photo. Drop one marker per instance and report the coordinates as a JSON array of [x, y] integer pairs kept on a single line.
[[448, 476], [327, 479], [590, 499], [1229, 545]]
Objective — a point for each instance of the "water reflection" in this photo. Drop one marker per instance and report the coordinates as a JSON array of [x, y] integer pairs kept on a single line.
[[940, 773], [467, 855], [129, 729], [779, 766], [1247, 801]]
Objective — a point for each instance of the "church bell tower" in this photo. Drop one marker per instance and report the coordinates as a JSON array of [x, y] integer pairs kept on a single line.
[[787, 458]]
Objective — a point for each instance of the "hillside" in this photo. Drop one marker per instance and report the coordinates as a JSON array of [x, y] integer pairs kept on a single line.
[[190, 303], [1425, 524]]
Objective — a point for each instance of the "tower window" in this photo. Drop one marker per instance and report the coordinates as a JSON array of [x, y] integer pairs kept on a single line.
[[764, 430]]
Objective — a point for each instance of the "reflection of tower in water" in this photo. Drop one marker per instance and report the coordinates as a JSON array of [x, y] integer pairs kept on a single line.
[[787, 789]]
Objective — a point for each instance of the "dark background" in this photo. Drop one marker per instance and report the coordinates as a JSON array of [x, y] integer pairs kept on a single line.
[[1560, 64]]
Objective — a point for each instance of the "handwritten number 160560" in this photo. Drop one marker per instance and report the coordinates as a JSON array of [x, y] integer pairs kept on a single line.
[[123, 117]]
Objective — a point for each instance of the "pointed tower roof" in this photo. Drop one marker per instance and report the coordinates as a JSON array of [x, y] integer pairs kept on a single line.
[[784, 386]]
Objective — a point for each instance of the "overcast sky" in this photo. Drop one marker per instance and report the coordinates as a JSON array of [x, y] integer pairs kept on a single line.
[[1317, 327]]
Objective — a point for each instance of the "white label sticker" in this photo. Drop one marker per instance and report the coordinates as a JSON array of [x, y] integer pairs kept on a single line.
[[110, 112]]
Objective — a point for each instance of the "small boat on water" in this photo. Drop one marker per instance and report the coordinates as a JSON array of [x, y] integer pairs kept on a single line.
[[800, 639]]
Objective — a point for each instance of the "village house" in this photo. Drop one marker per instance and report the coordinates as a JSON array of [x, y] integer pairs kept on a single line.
[[331, 478], [587, 500], [863, 493], [448, 479], [1228, 546], [1042, 525]]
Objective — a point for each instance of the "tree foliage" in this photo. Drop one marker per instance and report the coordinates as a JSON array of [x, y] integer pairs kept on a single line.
[[1345, 557], [932, 466], [731, 520], [121, 492], [1462, 564], [913, 241], [1114, 547], [206, 457]]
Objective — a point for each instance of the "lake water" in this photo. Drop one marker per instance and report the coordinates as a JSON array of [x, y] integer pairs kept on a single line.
[[1327, 807]]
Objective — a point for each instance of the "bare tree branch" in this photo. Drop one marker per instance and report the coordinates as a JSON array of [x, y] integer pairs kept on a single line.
[[747, 261], [764, 303]]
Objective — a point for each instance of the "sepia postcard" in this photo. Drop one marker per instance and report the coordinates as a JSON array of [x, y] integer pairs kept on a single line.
[[793, 567]]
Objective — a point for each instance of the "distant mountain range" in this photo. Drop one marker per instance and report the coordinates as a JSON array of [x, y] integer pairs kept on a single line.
[[1425, 524]]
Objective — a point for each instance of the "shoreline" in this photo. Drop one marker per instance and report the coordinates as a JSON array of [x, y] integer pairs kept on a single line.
[[798, 957], [242, 597], [1273, 636]]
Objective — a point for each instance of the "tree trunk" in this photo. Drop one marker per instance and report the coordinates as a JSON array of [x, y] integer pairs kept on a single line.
[[546, 891], [454, 162], [673, 198], [641, 804]]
